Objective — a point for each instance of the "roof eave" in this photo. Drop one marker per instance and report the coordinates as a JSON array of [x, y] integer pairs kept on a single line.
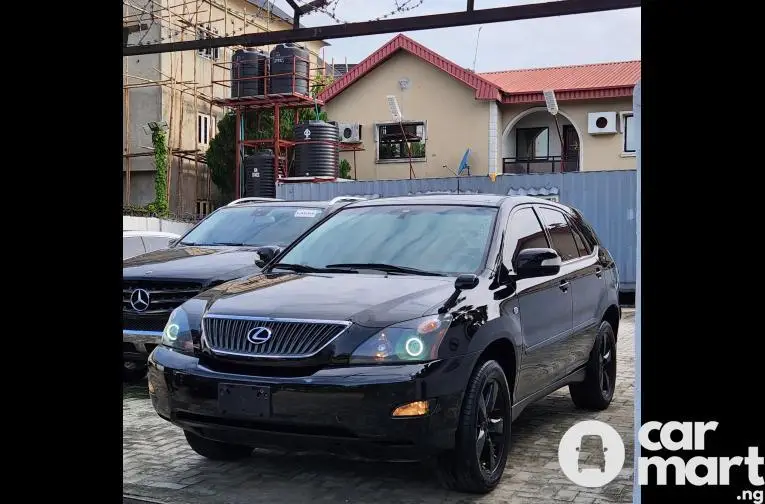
[[601, 93]]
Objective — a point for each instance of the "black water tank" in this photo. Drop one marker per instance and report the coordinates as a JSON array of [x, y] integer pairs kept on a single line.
[[259, 175], [247, 63], [316, 153], [288, 59]]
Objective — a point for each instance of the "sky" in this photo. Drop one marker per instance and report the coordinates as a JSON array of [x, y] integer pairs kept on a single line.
[[568, 40]]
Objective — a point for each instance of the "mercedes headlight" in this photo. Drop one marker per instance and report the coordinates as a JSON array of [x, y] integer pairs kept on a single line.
[[411, 341], [177, 332]]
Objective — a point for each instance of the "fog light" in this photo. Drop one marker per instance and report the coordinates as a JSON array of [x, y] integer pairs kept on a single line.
[[417, 408]]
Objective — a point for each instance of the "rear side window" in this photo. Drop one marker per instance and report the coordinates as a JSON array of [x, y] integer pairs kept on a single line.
[[581, 243], [132, 246], [156, 243], [525, 232], [560, 233]]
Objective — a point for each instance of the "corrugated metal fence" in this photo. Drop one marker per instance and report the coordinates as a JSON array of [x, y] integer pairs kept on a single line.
[[607, 199]]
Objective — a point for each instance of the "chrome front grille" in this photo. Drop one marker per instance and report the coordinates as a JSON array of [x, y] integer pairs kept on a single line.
[[289, 338], [162, 296]]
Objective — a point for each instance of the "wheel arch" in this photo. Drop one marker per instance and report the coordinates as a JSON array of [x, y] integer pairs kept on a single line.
[[503, 351], [611, 316]]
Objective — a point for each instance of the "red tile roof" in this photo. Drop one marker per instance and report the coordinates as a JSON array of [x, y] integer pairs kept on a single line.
[[580, 82], [600, 80], [484, 90]]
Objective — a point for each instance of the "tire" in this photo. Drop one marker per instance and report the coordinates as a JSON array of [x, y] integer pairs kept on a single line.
[[215, 450], [133, 371], [463, 469], [597, 389]]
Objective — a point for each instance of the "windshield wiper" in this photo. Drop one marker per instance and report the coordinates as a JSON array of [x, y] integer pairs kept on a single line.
[[304, 268], [388, 268]]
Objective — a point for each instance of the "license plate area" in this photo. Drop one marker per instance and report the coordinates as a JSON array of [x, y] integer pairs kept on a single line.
[[249, 401]]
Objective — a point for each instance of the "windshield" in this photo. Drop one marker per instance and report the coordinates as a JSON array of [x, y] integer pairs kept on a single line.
[[446, 239], [253, 225]]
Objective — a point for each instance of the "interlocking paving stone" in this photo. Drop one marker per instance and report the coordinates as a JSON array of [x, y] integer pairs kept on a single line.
[[159, 466]]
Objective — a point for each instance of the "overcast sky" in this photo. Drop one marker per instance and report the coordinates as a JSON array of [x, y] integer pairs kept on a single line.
[[567, 40]]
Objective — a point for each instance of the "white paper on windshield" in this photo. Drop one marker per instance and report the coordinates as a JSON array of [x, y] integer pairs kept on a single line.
[[307, 212]]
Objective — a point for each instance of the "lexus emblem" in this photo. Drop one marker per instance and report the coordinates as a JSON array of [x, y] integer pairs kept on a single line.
[[259, 335], [139, 300]]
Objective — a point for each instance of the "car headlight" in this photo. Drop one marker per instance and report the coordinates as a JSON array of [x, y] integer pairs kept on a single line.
[[177, 332], [411, 341]]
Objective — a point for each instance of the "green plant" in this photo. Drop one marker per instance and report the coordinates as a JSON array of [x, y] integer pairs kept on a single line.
[[344, 169], [221, 154], [160, 205]]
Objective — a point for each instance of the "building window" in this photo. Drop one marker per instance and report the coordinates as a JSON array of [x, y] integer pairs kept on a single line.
[[630, 132], [204, 33], [532, 143], [396, 140], [205, 127]]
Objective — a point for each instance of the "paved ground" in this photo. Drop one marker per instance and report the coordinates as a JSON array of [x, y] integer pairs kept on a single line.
[[159, 467]]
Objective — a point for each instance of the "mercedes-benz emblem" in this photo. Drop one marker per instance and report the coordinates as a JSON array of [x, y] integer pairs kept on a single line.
[[139, 300], [259, 335]]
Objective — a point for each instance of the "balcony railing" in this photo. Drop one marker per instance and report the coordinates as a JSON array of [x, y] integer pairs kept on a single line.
[[550, 164]]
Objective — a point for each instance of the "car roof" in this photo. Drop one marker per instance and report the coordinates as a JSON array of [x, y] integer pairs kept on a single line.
[[161, 234], [490, 200], [277, 204]]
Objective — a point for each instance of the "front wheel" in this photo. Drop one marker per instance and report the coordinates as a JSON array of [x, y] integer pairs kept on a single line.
[[483, 436], [215, 450], [597, 389]]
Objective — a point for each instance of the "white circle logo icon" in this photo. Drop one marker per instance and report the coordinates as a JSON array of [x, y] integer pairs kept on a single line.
[[591, 453]]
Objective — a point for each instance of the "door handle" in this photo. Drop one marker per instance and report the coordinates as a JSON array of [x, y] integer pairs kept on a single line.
[[599, 272], [564, 285]]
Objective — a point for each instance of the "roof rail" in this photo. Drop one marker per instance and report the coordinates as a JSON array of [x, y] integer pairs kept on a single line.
[[338, 199], [252, 200]]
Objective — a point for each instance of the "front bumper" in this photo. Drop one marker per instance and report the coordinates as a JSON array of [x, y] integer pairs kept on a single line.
[[344, 410]]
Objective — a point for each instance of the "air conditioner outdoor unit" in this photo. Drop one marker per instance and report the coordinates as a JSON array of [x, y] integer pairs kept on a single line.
[[601, 123], [349, 132]]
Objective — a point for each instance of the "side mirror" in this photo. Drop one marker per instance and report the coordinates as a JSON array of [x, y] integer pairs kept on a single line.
[[171, 243], [266, 255], [537, 262]]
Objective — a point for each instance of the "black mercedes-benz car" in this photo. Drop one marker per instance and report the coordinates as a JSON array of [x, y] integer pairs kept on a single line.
[[221, 247], [405, 327]]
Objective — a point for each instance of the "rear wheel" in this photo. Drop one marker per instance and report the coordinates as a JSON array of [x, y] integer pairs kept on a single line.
[[215, 450], [597, 389], [483, 436]]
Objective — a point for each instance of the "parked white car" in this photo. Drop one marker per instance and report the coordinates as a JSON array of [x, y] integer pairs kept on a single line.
[[135, 243]]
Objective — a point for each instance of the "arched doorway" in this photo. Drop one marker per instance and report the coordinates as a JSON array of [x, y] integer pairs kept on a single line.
[[531, 143]]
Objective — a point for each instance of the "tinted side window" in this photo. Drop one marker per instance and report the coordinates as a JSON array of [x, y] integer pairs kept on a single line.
[[525, 232], [132, 246], [581, 243], [156, 243], [560, 233]]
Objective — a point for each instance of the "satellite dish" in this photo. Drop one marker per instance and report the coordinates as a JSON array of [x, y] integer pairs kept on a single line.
[[464, 163]]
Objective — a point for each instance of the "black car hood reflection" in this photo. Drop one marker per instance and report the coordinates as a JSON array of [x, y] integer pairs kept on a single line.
[[193, 263], [366, 299]]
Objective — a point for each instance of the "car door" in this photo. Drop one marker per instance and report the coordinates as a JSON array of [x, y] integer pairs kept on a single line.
[[588, 287], [132, 246], [543, 306], [577, 272]]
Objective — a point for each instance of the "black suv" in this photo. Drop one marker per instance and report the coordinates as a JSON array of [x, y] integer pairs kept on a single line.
[[223, 246], [400, 327]]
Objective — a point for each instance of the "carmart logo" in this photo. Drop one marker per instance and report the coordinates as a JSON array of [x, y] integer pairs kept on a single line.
[[672, 436]]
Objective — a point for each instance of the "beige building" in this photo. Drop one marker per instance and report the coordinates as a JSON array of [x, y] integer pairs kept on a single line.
[[500, 117], [178, 87]]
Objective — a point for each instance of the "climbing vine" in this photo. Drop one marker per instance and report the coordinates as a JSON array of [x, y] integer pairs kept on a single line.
[[160, 205]]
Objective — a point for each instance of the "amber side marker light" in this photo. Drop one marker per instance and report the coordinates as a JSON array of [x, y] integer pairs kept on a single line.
[[417, 408], [151, 387]]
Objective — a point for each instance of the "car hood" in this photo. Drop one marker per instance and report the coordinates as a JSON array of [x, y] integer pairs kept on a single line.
[[203, 264], [366, 299]]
